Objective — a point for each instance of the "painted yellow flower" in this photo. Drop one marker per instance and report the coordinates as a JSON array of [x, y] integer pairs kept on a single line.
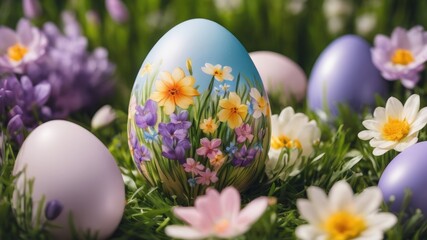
[[260, 104], [173, 90], [146, 69], [208, 125], [220, 73], [233, 111]]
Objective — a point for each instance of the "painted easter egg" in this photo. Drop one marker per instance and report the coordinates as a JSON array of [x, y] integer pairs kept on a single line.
[[75, 178], [344, 74], [406, 171], [199, 116], [283, 79]]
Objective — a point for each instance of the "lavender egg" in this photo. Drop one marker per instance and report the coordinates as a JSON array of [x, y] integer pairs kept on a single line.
[[344, 74], [406, 171]]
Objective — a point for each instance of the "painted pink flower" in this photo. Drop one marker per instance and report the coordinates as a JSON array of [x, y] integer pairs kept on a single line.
[[206, 178], [191, 166], [217, 215], [209, 148], [244, 133]]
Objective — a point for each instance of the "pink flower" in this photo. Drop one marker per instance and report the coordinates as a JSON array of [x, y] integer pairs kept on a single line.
[[217, 215], [207, 177], [209, 148], [191, 166], [244, 132]]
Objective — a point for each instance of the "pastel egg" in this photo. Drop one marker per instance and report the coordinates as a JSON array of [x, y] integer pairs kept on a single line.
[[75, 176], [344, 74], [199, 116], [283, 79], [407, 171]]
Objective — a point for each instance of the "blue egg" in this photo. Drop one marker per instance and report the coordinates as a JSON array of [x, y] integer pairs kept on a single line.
[[407, 171], [199, 116], [344, 74]]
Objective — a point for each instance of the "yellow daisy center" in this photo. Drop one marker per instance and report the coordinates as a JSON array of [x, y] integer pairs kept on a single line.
[[343, 225], [402, 57], [16, 52], [284, 142], [395, 130], [221, 226]]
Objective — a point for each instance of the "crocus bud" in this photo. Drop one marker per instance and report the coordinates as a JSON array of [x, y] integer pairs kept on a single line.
[[31, 8], [103, 117], [117, 10], [53, 209]]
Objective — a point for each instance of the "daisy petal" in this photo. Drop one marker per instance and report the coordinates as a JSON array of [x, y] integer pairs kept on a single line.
[[379, 151], [382, 221], [411, 107], [340, 195], [394, 108], [307, 232], [368, 201]]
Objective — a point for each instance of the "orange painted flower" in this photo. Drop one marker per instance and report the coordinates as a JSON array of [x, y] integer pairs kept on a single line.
[[208, 125], [233, 111], [173, 90]]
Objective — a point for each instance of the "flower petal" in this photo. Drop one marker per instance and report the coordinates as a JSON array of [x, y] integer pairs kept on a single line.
[[184, 232], [307, 232], [340, 196], [368, 201], [8, 38], [419, 122], [394, 108], [379, 151], [252, 212], [308, 211], [319, 201], [411, 107], [178, 74], [382, 221]]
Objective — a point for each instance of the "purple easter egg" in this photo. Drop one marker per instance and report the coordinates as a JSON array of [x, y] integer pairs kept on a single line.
[[407, 171], [344, 74]]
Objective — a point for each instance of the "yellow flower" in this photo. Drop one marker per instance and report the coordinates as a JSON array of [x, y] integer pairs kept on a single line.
[[173, 90], [208, 125], [146, 69], [233, 111]]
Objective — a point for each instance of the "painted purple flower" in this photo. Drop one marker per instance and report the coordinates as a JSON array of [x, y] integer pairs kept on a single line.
[[209, 148], [17, 49], [402, 56], [53, 209], [146, 116], [244, 133], [175, 141], [31, 8], [117, 10], [244, 157], [141, 154], [180, 120]]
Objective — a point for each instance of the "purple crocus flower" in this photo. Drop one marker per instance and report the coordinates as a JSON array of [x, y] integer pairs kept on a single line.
[[10, 94], [174, 141], [53, 209], [17, 49], [402, 56], [141, 154], [180, 120], [16, 128], [146, 116], [244, 157], [117, 10], [31, 8]]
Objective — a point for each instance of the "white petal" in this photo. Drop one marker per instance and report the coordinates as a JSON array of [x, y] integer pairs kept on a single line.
[[319, 201], [382, 143], [403, 145], [307, 232], [394, 108], [419, 122], [367, 134], [308, 211], [371, 234], [368, 201], [379, 114], [382, 221], [379, 151], [184, 232], [410, 110], [104, 116], [340, 196], [372, 124]]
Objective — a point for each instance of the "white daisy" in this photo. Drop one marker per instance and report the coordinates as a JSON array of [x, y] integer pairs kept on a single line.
[[294, 132], [220, 73], [395, 126], [342, 215]]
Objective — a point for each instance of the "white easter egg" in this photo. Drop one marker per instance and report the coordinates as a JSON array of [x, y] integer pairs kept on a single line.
[[71, 168]]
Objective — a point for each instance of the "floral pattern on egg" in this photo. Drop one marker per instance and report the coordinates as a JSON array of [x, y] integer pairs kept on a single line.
[[187, 134]]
